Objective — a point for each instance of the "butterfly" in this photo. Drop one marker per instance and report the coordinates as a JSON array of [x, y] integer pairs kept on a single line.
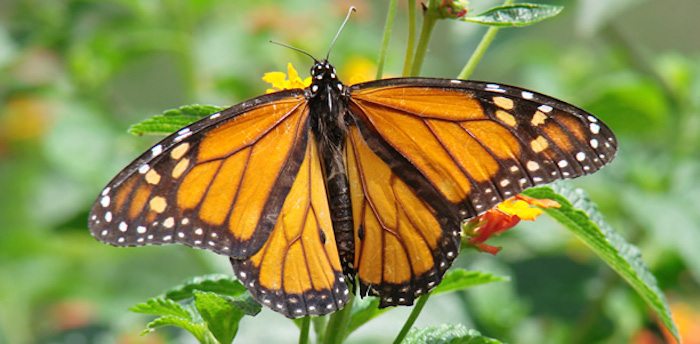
[[313, 191]]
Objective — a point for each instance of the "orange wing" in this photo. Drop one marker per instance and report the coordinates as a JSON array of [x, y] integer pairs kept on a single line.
[[405, 236], [424, 154], [297, 272], [477, 143], [217, 184]]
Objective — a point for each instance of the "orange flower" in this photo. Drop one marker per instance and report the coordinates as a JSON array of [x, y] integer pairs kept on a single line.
[[502, 217], [280, 82]]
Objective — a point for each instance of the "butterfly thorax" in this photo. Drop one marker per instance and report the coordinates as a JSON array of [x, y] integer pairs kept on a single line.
[[327, 121]]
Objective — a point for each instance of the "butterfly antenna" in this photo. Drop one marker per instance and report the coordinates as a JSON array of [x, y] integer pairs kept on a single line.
[[295, 48], [352, 9]]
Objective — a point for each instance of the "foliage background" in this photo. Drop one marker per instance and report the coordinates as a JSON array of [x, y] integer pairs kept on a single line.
[[74, 74]]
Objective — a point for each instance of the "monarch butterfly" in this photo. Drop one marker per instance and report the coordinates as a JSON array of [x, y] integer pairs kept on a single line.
[[307, 189]]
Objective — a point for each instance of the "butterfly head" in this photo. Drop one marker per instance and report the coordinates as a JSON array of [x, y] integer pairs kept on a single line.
[[324, 78]]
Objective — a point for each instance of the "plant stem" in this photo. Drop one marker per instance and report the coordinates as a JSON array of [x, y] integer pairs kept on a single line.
[[412, 318], [320, 327], [338, 324], [304, 334], [429, 21], [480, 49], [385, 38], [411, 41]]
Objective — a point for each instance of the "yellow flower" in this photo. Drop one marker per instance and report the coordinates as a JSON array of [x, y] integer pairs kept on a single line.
[[280, 82], [503, 217]]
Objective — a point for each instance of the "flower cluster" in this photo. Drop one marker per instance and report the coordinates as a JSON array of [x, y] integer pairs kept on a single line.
[[453, 8], [280, 82], [503, 217]]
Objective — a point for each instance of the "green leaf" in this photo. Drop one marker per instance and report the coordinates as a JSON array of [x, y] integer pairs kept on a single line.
[[364, 310], [522, 14], [174, 119], [217, 283], [161, 306], [220, 314], [578, 214], [458, 279], [197, 329], [447, 334]]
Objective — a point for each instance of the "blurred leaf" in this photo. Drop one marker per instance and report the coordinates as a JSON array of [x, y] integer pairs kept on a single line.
[[217, 283], [220, 314], [459, 279], [197, 329], [447, 334], [172, 120], [161, 306], [578, 214], [522, 14], [364, 310]]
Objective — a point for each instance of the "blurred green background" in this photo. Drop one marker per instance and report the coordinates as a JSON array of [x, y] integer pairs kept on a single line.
[[75, 74]]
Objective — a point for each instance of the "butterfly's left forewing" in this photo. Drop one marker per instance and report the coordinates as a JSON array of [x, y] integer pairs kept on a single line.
[[216, 184]]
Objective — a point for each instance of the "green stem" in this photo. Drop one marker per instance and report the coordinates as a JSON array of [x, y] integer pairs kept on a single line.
[[338, 324], [320, 327], [385, 38], [304, 334], [429, 21], [411, 42], [480, 49], [412, 318]]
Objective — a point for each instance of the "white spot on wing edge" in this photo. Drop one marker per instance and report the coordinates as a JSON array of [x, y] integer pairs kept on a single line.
[[156, 150], [495, 88], [106, 191], [105, 201], [215, 116], [455, 81], [527, 95], [545, 108], [144, 168]]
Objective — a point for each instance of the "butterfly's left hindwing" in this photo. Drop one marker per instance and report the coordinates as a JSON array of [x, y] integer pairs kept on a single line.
[[297, 272]]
